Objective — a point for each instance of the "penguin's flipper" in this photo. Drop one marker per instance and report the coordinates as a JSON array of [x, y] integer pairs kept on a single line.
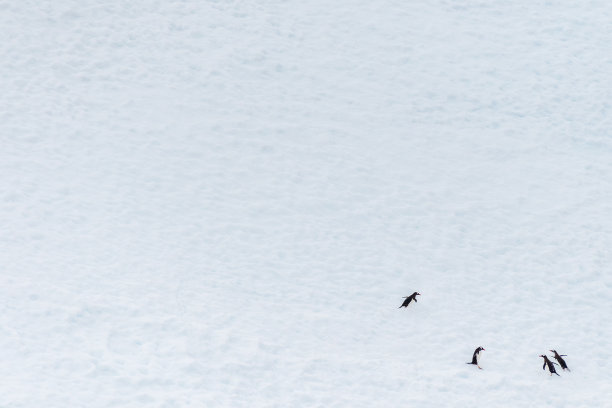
[[555, 363], [544, 366], [415, 299]]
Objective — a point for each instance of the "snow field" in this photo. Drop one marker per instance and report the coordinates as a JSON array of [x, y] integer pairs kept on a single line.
[[222, 203]]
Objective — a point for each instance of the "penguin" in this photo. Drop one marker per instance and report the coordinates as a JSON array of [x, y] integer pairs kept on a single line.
[[476, 357], [550, 365], [409, 299], [561, 361]]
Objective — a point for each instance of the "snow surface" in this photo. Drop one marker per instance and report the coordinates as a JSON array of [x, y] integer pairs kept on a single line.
[[222, 203]]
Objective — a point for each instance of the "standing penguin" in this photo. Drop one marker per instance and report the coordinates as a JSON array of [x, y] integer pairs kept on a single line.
[[561, 361], [550, 365], [409, 299], [476, 357]]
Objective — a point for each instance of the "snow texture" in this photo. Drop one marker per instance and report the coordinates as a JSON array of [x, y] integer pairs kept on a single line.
[[222, 203]]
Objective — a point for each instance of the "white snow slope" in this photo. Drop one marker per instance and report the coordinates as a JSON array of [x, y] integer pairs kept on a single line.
[[222, 203]]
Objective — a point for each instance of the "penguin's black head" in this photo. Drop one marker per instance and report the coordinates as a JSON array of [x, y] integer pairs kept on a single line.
[[553, 351], [481, 348], [543, 356], [417, 294]]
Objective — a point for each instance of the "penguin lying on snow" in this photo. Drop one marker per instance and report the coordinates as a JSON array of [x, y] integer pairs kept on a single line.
[[550, 365], [476, 357], [409, 299], [561, 361]]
